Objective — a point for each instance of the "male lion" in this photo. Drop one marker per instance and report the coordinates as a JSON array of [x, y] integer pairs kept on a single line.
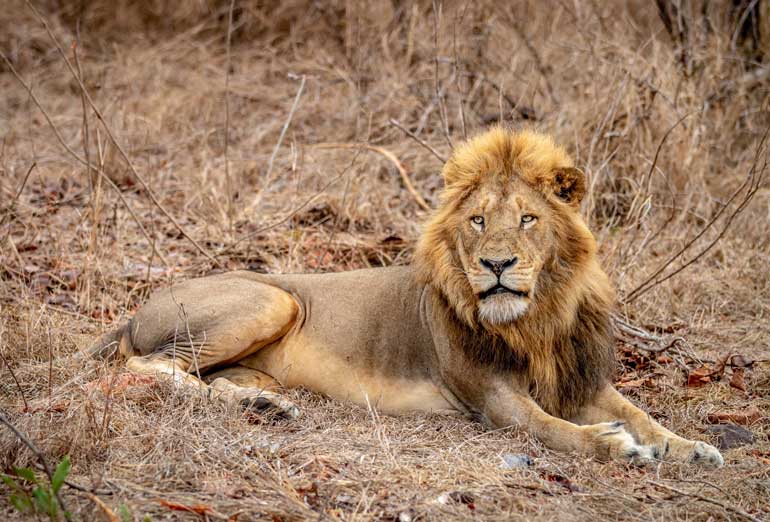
[[504, 315]]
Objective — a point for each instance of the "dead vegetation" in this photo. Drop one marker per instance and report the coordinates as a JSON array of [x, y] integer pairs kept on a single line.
[[144, 142]]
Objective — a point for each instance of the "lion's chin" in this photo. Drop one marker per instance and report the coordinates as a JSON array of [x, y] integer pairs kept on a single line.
[[501, 309]]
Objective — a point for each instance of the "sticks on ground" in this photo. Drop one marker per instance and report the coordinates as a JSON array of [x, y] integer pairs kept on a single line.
[[80, 160]]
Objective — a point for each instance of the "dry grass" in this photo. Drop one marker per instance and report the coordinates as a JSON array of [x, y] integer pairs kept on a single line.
[[603, 77]]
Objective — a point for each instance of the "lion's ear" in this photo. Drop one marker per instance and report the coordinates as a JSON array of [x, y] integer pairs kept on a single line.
[[569, 185]]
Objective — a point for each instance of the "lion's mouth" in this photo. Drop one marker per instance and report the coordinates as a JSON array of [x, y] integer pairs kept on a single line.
[[500, 289]]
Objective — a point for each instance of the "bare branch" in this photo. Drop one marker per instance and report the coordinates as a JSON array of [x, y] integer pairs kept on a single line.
[[751, 185], [416, 138]]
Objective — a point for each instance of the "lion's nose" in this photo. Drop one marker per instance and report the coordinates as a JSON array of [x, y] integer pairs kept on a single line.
[[498, 266]]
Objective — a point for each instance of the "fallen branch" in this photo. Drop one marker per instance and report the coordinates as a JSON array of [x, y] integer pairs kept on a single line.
[[387, 154]]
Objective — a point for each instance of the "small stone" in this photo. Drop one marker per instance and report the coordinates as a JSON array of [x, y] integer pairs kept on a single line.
[[731, 435], [406, 516], [511, 461]]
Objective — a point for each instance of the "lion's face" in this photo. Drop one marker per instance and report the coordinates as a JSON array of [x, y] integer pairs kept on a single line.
[[505, 235], [508, 233]]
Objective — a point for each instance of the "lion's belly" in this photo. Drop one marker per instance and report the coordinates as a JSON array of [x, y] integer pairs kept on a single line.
[[295, 363]]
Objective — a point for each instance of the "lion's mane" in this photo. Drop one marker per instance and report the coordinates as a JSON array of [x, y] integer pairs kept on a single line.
[[563, 346]]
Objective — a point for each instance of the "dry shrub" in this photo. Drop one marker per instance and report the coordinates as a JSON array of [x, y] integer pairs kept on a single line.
[[606, 78]]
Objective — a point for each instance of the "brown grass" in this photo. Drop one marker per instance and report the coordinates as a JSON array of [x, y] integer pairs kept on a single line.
[[604, 77]]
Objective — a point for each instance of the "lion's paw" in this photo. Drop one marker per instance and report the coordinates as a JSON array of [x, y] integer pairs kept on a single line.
[[695, 452], [611, 440], [271, 401]]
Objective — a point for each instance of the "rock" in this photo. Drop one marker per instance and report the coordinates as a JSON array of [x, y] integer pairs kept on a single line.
[[731, 435], [511, 461]]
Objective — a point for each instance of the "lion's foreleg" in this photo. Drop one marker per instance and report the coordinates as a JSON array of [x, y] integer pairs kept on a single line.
[[604, 440], [609, 404]]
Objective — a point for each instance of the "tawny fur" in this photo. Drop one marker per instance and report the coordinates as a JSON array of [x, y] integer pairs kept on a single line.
[[507, 234]]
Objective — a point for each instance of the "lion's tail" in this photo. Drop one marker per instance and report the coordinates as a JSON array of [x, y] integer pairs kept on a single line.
[[110, 345]]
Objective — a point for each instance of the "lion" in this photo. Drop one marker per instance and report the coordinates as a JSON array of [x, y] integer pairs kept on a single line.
[[504, 316]]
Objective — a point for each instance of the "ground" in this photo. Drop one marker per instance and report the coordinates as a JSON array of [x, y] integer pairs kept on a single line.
[[207, 156]]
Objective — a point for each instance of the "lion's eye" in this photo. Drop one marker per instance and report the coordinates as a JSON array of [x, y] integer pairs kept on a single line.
[[528, 220], [478, 222]]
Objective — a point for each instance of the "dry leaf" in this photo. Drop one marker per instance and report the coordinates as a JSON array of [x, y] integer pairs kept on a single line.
[[744, 417], [200, 509], [737, 381]]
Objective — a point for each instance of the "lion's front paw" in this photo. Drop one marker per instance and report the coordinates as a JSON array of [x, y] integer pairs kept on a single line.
[[610, 440], [694, 452]]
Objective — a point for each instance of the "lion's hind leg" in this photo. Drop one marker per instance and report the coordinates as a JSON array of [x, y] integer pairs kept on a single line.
[[253, 389]]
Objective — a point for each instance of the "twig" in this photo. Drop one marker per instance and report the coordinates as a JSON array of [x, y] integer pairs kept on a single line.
[[389, 155], [228, 181], [8, 210], [542, 69], [18, 385], [439, 94], [115, 142], [28, 443], [111, 516], [78, 487], [526, 113], [456, 68], [77, 158], [753, 182], [723, 505], [419, 140], [285, 127]]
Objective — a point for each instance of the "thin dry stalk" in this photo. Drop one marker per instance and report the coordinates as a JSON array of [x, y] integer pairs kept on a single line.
[[8, 210], [437, 6], [228, 181], [15, 379], [269, 174]]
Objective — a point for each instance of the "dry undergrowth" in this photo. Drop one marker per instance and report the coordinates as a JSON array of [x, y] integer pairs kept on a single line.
[[239, 181]]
